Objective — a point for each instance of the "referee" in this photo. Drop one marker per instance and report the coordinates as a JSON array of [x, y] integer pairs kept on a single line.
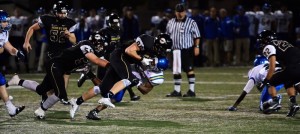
[[186, 38]]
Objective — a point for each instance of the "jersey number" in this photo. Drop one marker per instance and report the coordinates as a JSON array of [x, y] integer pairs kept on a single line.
[[282, 45], [57, 36]]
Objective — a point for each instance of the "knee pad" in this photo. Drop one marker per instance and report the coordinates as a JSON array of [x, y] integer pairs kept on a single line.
[[126, 82], [96, 90]]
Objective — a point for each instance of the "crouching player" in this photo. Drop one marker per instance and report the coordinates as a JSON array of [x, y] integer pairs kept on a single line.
[[256, 76], [149, 77]]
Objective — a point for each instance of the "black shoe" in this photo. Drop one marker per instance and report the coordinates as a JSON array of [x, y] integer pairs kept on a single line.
[[293, 110], [135, 98], [18, 110], [92, 115], [273, 106], [174, 94], [65, 101], [189, 94], [81, 80]]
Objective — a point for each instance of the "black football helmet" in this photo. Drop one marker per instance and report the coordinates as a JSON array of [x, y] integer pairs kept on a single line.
[[265, 37], [162, 43], [61, 8], [100, 41], [113, 21]]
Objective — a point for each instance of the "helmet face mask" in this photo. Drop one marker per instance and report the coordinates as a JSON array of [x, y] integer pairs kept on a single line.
[[5, 21], [113, 21], [60, 9], [100, 41]]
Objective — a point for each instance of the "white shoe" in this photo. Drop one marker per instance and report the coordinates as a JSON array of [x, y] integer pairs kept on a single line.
[[39, 113], [106, 102], [74, 108], [14, 80]]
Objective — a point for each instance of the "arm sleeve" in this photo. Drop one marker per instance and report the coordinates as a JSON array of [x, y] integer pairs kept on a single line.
[[249, 86]]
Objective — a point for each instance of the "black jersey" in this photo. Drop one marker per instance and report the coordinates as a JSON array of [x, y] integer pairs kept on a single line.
[[286, 54], [145, 43], [74, 57], [55, 28], [115, 38]]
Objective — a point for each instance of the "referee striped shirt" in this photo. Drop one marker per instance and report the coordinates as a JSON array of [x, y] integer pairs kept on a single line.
[[182, 32]]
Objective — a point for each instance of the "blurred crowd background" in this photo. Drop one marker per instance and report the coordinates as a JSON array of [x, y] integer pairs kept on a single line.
[[151, 16]]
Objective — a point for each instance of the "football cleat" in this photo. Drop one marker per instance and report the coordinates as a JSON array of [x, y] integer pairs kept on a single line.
[[293, 110], [74, 108], [270, 107], [106, 102], [65, 101], [14, 80], [232, 108], [18, 110], [189, 94], [39, 113], [174, 94], [92, 115], [135, 98]]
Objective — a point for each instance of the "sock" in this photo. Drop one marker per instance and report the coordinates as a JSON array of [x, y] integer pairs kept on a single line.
[[177, 82], [96, 110], [11, 108], [191, 78], [29, 84], [79, 100], [109, 95], [49, 102], [293, 99]]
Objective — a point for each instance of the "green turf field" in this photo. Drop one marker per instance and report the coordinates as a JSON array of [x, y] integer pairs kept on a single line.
[[216, 89]]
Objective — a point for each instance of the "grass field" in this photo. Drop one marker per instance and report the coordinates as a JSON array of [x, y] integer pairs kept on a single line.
[[216, 89]]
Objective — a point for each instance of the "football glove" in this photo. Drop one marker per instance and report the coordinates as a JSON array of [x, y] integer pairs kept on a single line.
[[20, 55], [146, 61]]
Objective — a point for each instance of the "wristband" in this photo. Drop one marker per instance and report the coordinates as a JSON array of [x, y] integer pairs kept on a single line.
[[197, 46]]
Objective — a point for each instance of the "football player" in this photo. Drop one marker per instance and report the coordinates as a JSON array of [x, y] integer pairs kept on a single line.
[[5, 44], [69, 60], [154, 75], [59, 32], [287, 56], [119, 75], [256, 75], [113, 30]]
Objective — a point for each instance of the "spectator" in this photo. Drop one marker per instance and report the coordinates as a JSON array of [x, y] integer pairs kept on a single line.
[[130, 25], [242, 38], [227, 34], [211, 36], [17, 34]]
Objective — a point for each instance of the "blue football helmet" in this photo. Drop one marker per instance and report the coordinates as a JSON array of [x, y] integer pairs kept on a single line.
[[266, 7], [4, 17], [259, 59], [162, 63]]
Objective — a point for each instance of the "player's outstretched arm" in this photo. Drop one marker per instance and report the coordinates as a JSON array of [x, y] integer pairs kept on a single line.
[[29, 33], [248, 87]]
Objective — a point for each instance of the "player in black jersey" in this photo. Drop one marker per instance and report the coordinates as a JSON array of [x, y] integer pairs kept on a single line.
[[69, 60], [59, 32], [288, 56], [113, 30], [119, 74]]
